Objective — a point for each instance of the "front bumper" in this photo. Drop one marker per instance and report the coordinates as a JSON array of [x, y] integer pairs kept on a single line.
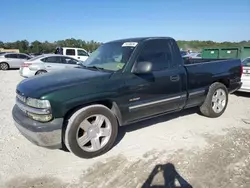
[[47, 135]]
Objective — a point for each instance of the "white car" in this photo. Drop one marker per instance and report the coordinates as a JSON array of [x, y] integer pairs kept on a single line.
[[193, 55], [77, 53], [245, 78], [12, 60], [47, 63]]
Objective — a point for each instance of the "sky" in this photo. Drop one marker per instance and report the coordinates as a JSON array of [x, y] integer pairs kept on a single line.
[[105, 20]]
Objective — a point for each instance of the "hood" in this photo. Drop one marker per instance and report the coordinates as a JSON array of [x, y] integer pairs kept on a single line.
[[38, 85]]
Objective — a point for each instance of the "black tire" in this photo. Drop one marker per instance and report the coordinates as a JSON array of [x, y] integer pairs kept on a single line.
[[206, 108], [74, 122], [41, 72], [4, 66]]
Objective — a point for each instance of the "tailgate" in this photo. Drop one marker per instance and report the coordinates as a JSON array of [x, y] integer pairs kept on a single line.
[[246, 72], [245, 78]]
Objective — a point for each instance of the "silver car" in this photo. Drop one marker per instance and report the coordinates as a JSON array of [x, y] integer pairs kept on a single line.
[[47, 63], [193, 56], [245, 78], [12, 60]]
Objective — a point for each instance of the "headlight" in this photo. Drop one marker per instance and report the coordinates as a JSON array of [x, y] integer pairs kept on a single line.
[[39, 117], [38, 103]]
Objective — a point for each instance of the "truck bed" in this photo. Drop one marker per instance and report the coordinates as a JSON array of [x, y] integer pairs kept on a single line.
[[202, 73]]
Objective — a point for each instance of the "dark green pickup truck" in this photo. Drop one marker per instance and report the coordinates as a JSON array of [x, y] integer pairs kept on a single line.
[[122, 82]]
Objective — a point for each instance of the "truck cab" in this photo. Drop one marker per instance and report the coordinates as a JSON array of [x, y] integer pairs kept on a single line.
[[77, 53]]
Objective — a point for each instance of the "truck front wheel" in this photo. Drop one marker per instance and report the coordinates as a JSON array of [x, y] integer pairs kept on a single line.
[[216, 101], [91, 131]]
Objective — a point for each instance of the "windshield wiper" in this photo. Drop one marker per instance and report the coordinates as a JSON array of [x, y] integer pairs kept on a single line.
[[94, 67]]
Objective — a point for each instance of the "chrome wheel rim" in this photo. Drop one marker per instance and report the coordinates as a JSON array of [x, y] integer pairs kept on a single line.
[[3, 66], [219, 100], [94, 133]]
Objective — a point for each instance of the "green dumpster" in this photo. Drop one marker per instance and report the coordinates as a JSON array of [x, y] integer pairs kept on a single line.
[[230, 53], [245, 52], [210, 53]]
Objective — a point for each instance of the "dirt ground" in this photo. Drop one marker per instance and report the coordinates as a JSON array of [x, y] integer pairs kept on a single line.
[[183, 149]]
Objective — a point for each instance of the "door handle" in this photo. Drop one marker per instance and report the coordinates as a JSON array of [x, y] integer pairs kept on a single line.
[[48, 66], [78, 57], [175, 78]]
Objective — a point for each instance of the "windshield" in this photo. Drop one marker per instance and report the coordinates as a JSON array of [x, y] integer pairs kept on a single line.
[[246, 62], [111, 56]]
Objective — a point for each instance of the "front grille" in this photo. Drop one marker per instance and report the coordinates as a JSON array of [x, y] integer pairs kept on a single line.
[[20, 101]]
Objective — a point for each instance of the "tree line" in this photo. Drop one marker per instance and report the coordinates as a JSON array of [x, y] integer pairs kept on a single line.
[[49, 47], [197, 45], [25, 46]]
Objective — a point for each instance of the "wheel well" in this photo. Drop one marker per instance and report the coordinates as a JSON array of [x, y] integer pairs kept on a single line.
[[6, 63], [226, 82], [109, 104], [40, 70]]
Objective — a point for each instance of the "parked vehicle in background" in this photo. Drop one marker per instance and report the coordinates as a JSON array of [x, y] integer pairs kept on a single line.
[[47, 63], [77, 53], [245, 76], [12, 60], [122, 82], [193, 56], [9, 50], [183, 53]]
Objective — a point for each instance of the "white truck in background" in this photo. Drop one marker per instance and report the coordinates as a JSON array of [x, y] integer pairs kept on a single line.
[[76, 53]]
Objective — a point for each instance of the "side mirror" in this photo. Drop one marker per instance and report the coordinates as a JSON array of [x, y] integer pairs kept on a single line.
[[143, 67]]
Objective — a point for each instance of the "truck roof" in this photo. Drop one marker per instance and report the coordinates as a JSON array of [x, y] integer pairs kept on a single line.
[[138, 39]]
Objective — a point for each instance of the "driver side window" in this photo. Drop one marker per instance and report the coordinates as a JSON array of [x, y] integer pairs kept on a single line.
[[70, 61], [82, 53], [157, 52]]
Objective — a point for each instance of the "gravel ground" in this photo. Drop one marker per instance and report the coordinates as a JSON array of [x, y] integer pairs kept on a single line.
[[184, 148]]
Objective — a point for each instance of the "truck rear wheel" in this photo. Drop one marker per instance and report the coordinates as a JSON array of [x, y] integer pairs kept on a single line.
[[91, 131], [216, 101]]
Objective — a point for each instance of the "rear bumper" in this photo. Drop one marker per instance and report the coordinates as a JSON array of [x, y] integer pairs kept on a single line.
[[234, 87], [26, 72], [245, 84], [47, 135]]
